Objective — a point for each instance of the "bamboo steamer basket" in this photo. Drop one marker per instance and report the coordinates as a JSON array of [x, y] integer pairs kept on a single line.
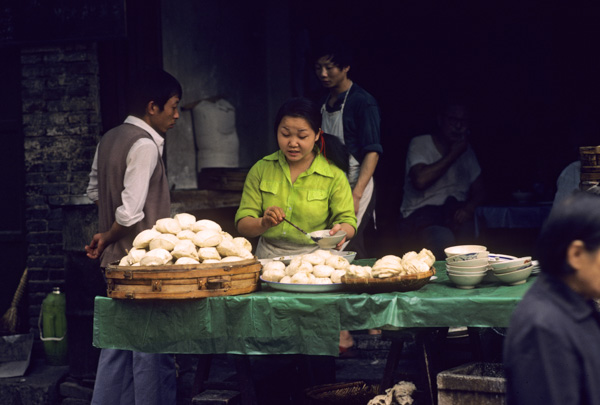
[[182, 281]]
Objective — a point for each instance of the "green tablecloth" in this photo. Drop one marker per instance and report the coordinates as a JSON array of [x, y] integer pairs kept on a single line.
[[277, 322]]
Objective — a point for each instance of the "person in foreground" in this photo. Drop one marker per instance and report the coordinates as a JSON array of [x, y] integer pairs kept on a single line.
[[129, 184], [301, 182], [551, 352]]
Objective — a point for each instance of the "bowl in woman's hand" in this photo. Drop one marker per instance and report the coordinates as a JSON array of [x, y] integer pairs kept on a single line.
[[325, 240]]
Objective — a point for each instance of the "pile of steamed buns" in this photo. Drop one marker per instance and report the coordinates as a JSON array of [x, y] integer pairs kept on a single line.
[[184, 240], [324, 267]]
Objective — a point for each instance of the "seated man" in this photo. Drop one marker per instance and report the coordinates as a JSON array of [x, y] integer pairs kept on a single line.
[[442, 185]]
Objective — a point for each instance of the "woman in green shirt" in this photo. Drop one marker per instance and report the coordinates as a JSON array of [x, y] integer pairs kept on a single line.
[[300, 182]]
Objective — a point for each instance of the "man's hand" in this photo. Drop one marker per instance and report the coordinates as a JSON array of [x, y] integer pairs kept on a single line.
[[457, 148], [100, 241], [96, 246]]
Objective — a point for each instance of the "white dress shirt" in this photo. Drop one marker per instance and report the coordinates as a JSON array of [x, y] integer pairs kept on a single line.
[[141, 162]]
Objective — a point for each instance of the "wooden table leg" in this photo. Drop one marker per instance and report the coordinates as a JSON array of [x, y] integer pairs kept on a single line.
[[391, 363], [244, 375], [429, 342], [475, 341], [202, 373]]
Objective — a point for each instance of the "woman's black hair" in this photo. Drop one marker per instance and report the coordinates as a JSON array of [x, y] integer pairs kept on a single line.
[[575, 218], [152, 84], [331, 147]]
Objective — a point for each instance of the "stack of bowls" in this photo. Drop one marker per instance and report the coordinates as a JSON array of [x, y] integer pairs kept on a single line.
[[512, 272], [466, 265]]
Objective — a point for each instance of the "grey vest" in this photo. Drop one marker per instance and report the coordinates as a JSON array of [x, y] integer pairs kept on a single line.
[[112, 163]]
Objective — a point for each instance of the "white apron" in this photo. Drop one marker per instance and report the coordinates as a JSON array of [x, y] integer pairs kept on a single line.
[[332, 123], [268, 249]]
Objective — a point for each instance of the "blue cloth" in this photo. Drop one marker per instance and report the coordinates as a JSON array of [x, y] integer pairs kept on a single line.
[[551, 352], [133, 378], [361, 120]]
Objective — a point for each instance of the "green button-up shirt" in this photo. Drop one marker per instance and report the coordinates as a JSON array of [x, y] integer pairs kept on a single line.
[[320, 198]]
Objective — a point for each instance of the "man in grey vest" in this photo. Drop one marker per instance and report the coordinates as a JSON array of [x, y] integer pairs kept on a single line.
[[128, 182]]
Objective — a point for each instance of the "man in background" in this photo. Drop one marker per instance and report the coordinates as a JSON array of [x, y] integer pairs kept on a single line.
[[351, 114], [442, 185], [128, 182]]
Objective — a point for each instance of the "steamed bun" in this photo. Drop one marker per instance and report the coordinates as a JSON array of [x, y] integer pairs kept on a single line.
[[165, 241], [168, 225], [207, 238], [185, 248], [156, 257], [186, 260], [143, 239], [185, 220], [205, 224], [273, 274]]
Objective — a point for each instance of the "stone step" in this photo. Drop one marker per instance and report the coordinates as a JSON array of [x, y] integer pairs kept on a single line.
[[217, 397], [39, 385]]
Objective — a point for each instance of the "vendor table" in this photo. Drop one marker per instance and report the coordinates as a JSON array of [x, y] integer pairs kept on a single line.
[[276, 322]]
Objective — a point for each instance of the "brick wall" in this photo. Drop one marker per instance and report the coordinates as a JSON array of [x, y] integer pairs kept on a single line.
[[61, 126]]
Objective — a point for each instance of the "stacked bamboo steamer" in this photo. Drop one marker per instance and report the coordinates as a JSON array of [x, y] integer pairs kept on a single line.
[[590, 167]]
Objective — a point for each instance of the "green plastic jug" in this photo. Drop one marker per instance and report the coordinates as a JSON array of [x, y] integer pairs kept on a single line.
[[53, 328]]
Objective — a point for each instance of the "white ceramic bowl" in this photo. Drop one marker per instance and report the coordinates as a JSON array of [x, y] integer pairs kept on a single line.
[[327, 241], [514, 277], [468, 256], [347, 255], [506, 264], [460, 272], [465, 281], [509, 269], [468, 263], [463, 249], [469, 269]]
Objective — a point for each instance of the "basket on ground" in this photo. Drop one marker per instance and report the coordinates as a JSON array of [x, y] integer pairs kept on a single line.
[[408, 282], [182, 281], [353, 393]]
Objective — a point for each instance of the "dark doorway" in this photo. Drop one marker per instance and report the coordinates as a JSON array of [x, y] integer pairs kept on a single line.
[[12, 181]]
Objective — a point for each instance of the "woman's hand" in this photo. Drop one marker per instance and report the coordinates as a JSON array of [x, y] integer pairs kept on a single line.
[[349, 229], [251, 227], [273, 216]]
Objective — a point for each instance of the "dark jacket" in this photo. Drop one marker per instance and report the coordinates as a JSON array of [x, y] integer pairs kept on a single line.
[[552, 350]]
